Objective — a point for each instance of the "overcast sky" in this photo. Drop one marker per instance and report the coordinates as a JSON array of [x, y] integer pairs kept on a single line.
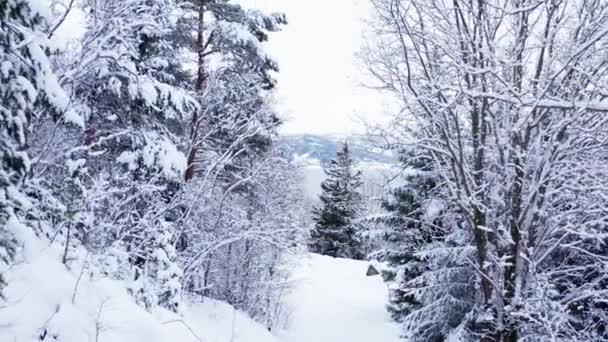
[[319, 83], [319, 89]]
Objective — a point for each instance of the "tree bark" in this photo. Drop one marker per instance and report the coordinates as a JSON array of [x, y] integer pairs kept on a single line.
[[199, 88], [519, 142]]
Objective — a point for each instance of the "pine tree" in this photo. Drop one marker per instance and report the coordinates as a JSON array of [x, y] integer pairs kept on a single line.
[[335, 231], [27, 83], [233, 95]]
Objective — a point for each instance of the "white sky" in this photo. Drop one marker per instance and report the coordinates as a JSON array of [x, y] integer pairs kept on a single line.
[[319, 88]]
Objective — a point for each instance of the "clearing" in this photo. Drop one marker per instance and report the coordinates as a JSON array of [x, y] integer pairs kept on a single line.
[[334, 301]]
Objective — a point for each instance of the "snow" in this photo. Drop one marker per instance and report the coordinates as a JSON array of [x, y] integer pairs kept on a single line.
[[148, 91], [158, 152], [46, 301], [434, 207], [333, 300], [40, 7], [75, 165], [48, 82], [241, 35], [129, 158], [162, 151], [219, 322]]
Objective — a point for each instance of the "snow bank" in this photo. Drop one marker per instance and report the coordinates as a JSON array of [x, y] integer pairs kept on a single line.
[[47, 302], [334, 300]]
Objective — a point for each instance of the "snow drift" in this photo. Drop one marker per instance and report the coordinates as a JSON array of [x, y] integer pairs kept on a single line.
[[46, 301], [334, 300]]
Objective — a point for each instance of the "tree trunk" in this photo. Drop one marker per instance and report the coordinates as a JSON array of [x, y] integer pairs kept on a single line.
[[519, 144], [199, 88]]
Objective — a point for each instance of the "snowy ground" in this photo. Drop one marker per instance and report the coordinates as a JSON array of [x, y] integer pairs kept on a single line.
[[48, 302], [334, 301]]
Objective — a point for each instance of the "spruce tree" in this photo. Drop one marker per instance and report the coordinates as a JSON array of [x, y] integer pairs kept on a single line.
[[335, 231], [428, 276], [27, 84], [407, 232]]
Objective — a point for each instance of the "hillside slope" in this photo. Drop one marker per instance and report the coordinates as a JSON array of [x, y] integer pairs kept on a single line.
[[45, 301], [314, 152], [323, 148]]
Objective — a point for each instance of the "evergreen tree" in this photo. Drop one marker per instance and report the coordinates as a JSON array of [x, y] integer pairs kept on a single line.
[[425, 270], [233, 117], [27, 83], [406, 231], [127, 80], [335, 231]]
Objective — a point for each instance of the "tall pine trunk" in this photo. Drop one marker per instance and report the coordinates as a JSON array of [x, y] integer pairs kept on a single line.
[[199, 88]]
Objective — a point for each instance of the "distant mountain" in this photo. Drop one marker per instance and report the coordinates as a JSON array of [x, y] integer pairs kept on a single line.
[[313, 152], [323, 148]]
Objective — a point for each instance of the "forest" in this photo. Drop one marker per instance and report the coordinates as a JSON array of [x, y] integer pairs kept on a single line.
[[149, 192]]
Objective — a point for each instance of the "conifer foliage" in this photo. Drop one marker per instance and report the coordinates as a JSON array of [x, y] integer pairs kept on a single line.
[[96, 140], [407, 229], [335, 231], [430, 285], [26, 80]]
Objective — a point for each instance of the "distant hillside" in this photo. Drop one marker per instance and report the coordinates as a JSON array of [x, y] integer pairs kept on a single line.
[[313, 152], [323, 148]]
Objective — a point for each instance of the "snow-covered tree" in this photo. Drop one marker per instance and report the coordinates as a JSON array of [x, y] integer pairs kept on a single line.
[[336, 220], [233, 72], [506, 98], [116, 177], [239, 240], [28, 87], [409, 228], [430, 281], [230, 245]]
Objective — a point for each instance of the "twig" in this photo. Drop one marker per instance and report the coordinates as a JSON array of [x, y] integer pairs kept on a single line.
[[62, 19], [186, 325], [84, 265], [67, 245], [98, 325]]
